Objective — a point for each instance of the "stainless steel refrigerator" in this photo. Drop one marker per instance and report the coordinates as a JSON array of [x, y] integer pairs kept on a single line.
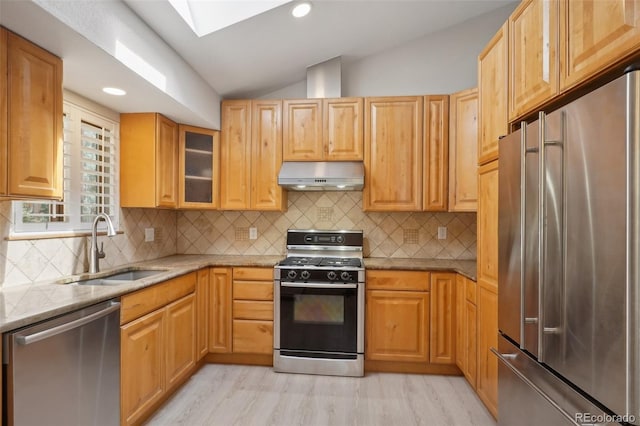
[[569, 259]]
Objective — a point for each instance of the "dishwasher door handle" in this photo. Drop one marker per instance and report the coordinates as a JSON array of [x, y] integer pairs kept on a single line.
[[22, 339]]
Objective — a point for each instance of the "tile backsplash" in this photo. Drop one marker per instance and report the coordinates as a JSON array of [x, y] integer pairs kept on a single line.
[[213, 232], [386, 234], [28, 261]]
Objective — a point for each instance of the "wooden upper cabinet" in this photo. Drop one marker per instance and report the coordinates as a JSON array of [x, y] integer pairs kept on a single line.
[[596, 34], [251, 155], [488, 225], [343, 129], [235, 155], [463, 149], [3, 112], [533, 56], [492, 95], [31, 107], [393, 154], [199, 168], [266, 156], [148, 161], [436, 153], [302, 131]]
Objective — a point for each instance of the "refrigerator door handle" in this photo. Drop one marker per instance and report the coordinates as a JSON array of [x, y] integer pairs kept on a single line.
[[544, 143], [523, 203]]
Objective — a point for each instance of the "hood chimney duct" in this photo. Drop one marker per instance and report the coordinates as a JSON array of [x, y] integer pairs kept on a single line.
[[324, 80]]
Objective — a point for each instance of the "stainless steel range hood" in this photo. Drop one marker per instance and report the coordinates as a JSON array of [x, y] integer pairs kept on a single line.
[[322, 175]]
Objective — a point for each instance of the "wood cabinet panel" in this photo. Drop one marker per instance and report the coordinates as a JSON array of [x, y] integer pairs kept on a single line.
[[436, 153], [198, 168], [250, 336], [397, 326], [148, 161], [142, 366], [220, 305], [461, 338], [202, 313], [470, 290], [3, 111], [138, 303], [180, 340], [253, 309], [533, 56], [235, 155], [487, 367], [470, 343], [302, 129], [488, 224], [493, 71], [397, 280], [266, 156], [463, 151], [443, 318], [166, 162], [343, 125], [253, 290], [595, 35], [253, 274], [393, 154], [34, 119]]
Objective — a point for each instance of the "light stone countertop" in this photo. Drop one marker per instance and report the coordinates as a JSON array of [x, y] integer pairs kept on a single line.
[[24, 305]]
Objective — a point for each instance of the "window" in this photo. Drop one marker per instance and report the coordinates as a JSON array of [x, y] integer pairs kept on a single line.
[[90, 178]]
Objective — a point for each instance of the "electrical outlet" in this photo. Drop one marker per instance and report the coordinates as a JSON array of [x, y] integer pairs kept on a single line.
[[442, 232], [253, 233], [149, 234]]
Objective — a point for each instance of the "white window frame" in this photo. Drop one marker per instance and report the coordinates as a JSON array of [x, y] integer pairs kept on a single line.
[[74, 115]]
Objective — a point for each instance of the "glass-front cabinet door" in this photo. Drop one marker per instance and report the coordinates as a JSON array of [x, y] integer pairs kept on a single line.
[[199, 167]]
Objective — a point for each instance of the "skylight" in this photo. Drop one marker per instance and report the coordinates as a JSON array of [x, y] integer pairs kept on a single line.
[[207, 16]]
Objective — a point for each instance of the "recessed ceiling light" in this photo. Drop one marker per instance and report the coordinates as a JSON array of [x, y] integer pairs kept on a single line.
[[114, 91], [301, 9]]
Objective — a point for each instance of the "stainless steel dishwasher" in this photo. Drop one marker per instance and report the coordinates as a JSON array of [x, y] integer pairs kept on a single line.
[[65, 371]]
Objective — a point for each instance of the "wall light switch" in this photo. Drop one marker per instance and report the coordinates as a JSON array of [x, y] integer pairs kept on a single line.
[[149, 234], [442, 232], [253, 233]]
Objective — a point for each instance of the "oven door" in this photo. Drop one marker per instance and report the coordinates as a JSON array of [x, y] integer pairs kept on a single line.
[[318, 320]]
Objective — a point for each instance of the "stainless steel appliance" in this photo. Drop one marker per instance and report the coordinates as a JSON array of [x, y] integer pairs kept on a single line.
[[65, 371], [569, 259], [319, 304]]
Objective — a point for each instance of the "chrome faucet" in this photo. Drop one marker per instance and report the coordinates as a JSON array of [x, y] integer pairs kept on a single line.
[[94, 254]]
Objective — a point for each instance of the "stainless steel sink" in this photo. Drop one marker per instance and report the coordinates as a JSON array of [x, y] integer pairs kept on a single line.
[[119, 278]]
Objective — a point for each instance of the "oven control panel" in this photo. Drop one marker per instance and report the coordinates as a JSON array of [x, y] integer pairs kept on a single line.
[[319, 275]]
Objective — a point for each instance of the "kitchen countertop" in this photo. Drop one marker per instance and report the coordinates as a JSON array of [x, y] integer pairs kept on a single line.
[[28, 304]]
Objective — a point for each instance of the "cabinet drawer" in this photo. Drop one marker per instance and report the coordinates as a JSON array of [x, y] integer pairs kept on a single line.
[[253, 290], [253, 274], [470, 290], [254, 337], [254, 310], [397, 280], [149, 299]]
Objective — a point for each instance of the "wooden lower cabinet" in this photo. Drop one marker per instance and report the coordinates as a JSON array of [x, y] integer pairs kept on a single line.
[[487, 323], [158, 345], [202, 313], [220, 300], [141, 366], [397, 326], [252, 336], [181, 339], [443, 318], [466, 328]]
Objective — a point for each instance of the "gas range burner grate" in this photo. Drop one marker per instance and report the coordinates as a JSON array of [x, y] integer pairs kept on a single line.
[[321, 261]]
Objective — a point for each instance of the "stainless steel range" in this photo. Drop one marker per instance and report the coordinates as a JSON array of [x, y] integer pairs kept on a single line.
[[319, 304]]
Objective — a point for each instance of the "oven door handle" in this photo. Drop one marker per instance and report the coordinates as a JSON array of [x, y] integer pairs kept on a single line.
[[318, 285]]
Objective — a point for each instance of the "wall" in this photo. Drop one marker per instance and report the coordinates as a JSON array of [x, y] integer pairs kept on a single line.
[[441, 62], [28, 261], [386, 234]]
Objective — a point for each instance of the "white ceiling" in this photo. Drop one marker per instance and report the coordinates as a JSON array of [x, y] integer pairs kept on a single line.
[[247, 59], [273, 49]]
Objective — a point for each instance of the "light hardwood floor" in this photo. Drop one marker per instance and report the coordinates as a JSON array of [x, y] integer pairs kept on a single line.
[[247, 395]]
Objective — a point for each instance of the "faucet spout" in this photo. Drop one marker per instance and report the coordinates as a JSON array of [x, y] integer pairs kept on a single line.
[[96, 254]]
